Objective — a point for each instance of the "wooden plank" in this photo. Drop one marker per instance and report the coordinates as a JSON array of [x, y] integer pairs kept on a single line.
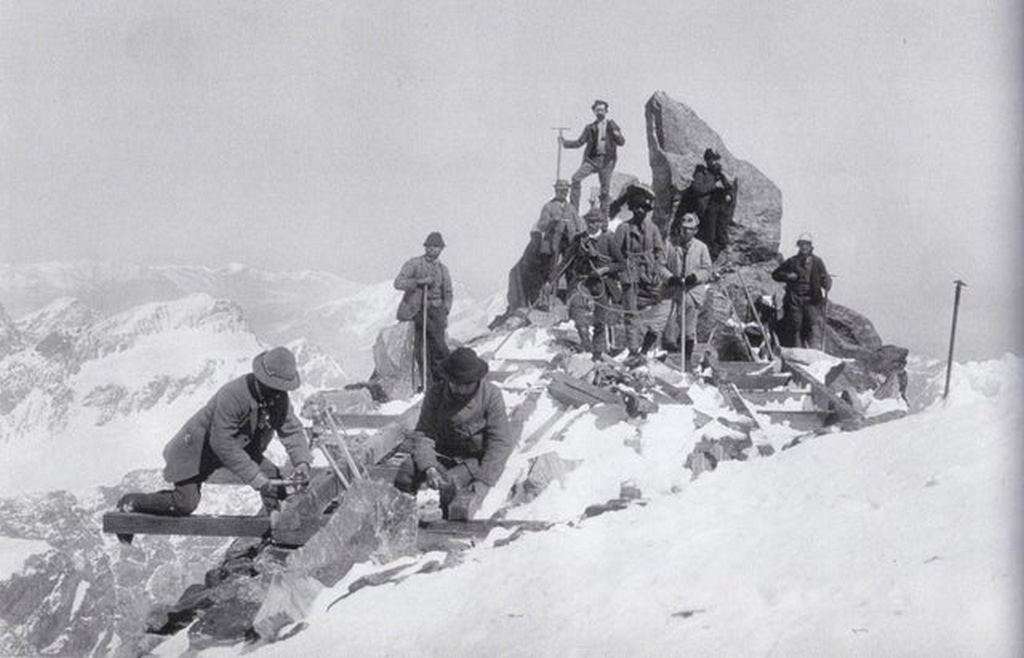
[[596, 393], [743, 367], [480, 528], [543, 364], [842, 409], [204, 525], [798, 419], [366, 421], [759, 382], [774, 396], [498, 376]]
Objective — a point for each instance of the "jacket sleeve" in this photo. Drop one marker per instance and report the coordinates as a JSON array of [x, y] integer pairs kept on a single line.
[[447, 292], [826, 279], [576, 143], [780, 272], [230, 416], [293, 436], [406, 279], [498, 441], [424, 454], [544, 221], [704, 267], [616, 133]]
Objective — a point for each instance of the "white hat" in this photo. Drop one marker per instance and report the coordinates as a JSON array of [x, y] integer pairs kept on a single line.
[[805, 237]]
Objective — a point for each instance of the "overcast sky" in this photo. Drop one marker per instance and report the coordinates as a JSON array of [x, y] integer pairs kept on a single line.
[[335, 135]]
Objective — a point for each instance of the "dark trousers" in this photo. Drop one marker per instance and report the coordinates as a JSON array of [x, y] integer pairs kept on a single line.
[[589, 315], [801, 324], [184, 498], [603, 167], [437, 348], [714, 229], [457, 477]]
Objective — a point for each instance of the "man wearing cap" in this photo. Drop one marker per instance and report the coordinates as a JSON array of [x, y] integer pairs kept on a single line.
[[590, 266], [233, 431], [807, 282], [711, 197], [690, 264], [462, 439], [427, 273], [602, 138], [641, 251]]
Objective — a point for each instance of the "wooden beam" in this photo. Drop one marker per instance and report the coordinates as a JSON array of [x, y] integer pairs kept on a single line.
[[576, 392], [366, 421], [203, 525], [843, 409]]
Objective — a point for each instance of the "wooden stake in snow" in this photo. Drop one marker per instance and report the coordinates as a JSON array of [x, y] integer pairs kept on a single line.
[[958, 284]]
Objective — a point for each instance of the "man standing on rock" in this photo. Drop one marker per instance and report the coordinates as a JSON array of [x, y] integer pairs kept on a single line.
[[690, 264], [602, 138], [232, 431], [462, 440], [807, 283], [426, 277], [590, 265], [641, 251], [711, 197]]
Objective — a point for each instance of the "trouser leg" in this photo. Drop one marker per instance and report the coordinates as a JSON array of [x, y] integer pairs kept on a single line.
[[792, 322], [580, 316], [587, 167], [811, 329], [182, 500], [437, 348], [599, 343], [604, 175], [633, 324]]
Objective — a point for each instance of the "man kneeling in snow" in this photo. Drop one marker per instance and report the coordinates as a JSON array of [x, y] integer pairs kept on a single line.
[[233, 430], [462, 439]]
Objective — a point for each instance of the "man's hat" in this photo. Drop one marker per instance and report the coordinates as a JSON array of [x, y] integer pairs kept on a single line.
[[562, 184], [689, 220], [463, 366], [711, 154], [434, 240], [636, 194], [805, 237], [599, 102], [595, 215], [276, 369]]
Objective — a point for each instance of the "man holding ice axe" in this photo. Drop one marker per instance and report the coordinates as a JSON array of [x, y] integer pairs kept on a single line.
[[427, 302], [807, 285], [689, 261]]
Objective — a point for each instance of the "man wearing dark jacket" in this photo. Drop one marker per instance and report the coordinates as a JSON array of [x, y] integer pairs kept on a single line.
[[807, 282], [601, 138], [462, 440], [641, 251], [711, 197], [427, 275], [232, 431], [590, 265]]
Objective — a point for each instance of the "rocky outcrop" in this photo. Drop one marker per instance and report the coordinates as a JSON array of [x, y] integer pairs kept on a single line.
[[393, 362], [676, 139]]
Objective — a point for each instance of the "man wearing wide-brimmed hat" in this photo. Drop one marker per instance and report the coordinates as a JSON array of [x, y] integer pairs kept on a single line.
[[712, 197], [233, 431], [427, 277], [807, 285], [462, 440]]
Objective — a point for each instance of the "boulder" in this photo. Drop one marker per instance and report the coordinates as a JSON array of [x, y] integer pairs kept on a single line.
[[676, 139], [342, 401], [393, 361], [374, 521], [544, 470]]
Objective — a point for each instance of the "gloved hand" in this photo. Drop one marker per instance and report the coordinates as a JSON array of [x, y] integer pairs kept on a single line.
[[691, 279], [271, 491], [674, 282], [301, 472], [435, 479]]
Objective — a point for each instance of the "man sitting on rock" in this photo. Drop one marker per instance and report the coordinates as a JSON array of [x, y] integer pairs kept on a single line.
[[233, 431], [462, 439], [807, 284], [690, 263], [711, 197]]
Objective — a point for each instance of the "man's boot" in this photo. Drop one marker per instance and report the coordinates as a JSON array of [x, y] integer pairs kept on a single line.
[[586, 345]]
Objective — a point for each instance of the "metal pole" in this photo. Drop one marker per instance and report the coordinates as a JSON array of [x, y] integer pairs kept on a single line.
[[425, 369], [958, 284], [558, 165], [824, 323]]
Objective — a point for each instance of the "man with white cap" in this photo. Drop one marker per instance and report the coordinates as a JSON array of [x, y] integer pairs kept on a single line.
[[689, 261], [232, 431], [807, 281]]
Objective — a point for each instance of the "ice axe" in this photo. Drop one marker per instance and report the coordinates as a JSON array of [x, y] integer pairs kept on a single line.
[[558, 165], [959, 284]]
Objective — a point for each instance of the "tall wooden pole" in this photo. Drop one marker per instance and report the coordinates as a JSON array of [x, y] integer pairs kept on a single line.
[[958, 284], [558, 165], [425, 370]]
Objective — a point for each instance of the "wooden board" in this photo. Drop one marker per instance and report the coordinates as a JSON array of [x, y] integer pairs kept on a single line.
[[843, 410], [366, 421], [576, 392], [203, 525], [759, 382], [774, 396]]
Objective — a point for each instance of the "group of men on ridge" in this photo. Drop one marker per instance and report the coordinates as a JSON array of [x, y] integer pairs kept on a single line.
[[462, 440]]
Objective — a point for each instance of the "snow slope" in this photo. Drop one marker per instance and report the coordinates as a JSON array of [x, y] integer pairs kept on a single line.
[[898, 539]]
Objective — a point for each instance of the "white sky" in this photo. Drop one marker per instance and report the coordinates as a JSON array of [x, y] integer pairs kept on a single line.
[[336, 135]]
